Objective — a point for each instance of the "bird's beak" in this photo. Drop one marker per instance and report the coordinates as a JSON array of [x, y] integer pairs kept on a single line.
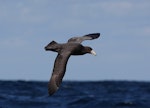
[[93, 52]]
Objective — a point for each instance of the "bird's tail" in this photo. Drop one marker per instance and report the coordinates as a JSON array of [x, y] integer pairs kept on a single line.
[[52, 43], [52, 46]]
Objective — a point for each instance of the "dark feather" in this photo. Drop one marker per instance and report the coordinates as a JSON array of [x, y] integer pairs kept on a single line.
[[58, 72], [85, 37], [73, 47]]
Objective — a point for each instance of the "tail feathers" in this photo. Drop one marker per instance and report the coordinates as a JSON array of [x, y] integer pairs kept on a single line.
[[53, 43], [53, 46]]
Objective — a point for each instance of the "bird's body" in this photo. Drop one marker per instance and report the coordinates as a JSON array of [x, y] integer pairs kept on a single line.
[[72, 47]]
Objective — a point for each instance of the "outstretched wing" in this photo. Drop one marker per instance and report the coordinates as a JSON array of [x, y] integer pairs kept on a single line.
[[86, 37], [58, 72]]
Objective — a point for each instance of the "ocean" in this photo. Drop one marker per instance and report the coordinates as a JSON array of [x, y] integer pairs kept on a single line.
[[75, 94]]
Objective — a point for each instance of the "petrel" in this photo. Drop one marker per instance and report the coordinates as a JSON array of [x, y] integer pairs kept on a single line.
[[65, 50]]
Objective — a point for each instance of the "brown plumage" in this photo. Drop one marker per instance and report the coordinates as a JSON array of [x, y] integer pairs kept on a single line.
[[72, 47]]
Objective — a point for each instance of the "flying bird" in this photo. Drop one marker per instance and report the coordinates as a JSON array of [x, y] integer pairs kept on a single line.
[[65, 50]]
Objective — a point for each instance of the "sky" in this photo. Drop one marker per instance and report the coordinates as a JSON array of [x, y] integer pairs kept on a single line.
[[123, 49]]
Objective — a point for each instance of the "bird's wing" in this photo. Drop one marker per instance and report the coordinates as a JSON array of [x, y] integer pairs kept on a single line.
[[58, 72], [85, 37]]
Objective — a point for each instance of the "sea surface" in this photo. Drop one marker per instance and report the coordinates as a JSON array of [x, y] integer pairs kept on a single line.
[[73, 94]]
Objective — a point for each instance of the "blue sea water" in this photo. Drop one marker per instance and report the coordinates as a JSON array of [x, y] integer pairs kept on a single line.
[[102, 94]]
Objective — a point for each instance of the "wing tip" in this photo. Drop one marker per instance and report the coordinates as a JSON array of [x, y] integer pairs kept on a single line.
[[52, 87], [51, 91], [97, 35], [94, 35]]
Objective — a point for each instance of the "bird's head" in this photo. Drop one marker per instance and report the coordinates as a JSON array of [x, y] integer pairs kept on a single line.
[[90, 51]]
